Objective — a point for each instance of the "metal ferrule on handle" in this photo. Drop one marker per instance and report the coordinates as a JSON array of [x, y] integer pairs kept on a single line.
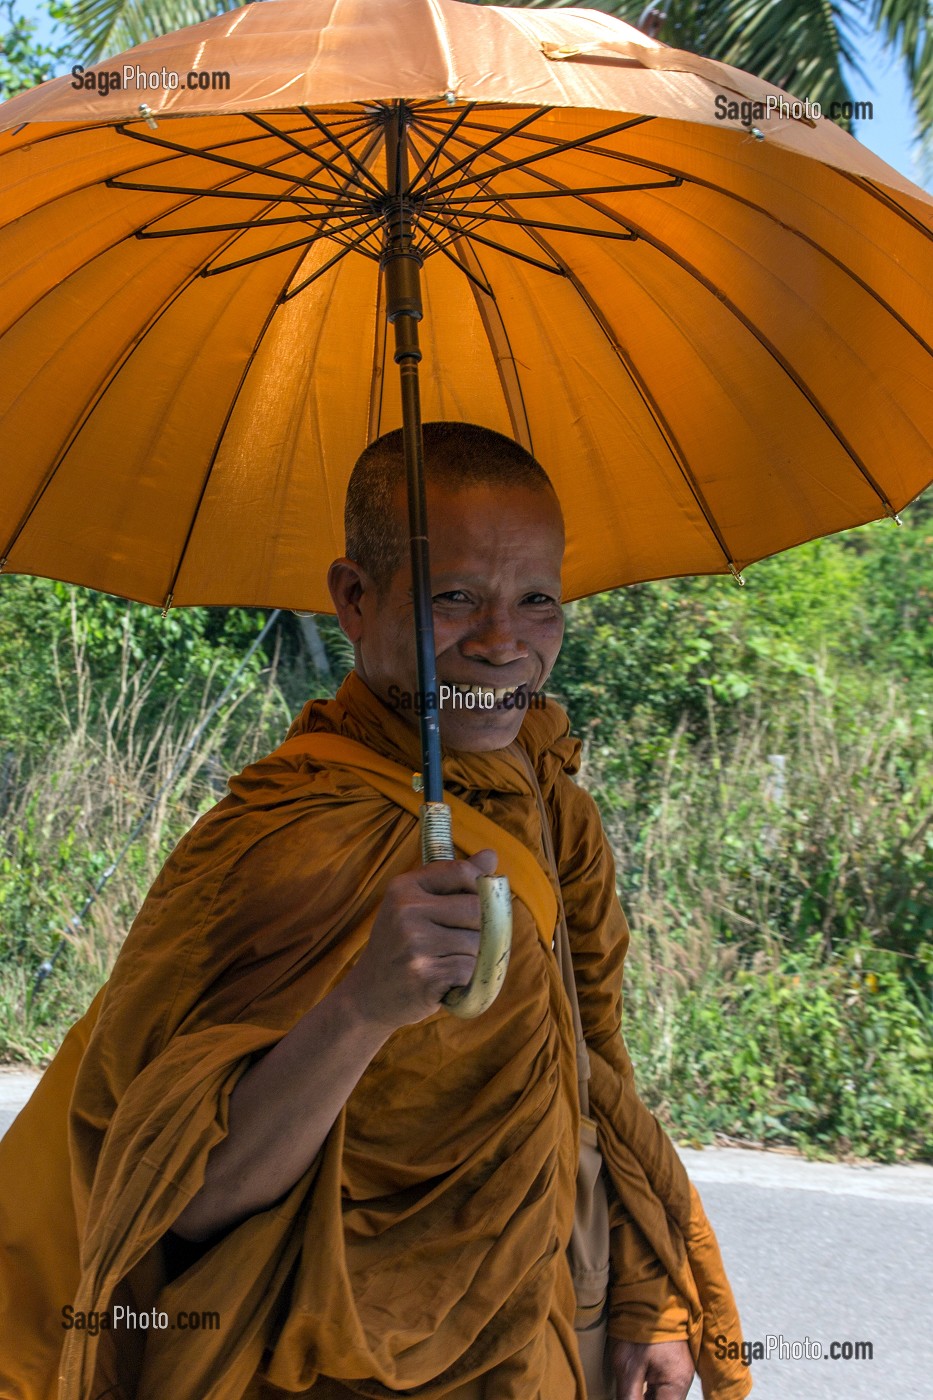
[[495, 902]]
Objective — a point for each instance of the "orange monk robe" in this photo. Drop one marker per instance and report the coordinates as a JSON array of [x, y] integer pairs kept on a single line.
[[425, 1246]]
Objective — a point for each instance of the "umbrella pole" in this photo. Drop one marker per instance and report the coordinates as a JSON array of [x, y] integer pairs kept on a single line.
[[402, 268], [401, 264]]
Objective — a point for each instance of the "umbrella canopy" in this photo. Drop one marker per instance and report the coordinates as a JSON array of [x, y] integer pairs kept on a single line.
[[709, 316]]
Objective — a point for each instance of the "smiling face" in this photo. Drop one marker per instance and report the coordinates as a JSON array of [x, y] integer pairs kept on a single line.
[[498, 623]]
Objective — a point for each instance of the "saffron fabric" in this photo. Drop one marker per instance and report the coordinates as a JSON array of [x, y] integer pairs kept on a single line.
[[424, 1248]]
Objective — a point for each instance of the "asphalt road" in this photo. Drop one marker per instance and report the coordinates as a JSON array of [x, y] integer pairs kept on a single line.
[[827, 1253], [817, 1254]]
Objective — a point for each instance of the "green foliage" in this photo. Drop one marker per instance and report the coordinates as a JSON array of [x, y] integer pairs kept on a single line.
[[65, 648], [107, 27], [24, 59], [836, 612], [828, 1056]]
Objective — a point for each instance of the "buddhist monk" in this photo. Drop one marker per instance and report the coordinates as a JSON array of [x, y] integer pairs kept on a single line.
[[269, 1162]]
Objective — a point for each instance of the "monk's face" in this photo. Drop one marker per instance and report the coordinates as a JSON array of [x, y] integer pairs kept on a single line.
[[498, 623]]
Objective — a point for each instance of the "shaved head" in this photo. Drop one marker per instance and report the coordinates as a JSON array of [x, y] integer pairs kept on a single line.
[[456, 456]]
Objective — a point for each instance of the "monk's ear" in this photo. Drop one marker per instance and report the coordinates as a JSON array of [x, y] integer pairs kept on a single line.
[[347, 583]]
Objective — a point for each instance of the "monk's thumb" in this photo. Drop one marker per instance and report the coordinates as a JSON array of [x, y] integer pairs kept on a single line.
[[485, 861]]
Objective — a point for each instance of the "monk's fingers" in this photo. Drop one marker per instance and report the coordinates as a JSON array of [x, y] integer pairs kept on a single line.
[[666, 1390], [632, 1388], [452, 911], [629, 1366], [449, 963], [455, 876], [670, 1371]]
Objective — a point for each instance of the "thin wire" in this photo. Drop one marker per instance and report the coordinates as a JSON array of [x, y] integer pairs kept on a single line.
[[212, 270], [47, 967]]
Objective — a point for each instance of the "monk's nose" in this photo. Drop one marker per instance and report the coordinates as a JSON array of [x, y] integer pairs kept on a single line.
[[494, 639]]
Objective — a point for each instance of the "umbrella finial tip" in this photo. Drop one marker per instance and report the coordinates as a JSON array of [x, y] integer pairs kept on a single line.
[[145, 111], [737, 575], [450, 97], [166, 605]]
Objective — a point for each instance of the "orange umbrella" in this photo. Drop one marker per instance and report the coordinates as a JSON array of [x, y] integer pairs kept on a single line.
[[719, 351], [706, 311]]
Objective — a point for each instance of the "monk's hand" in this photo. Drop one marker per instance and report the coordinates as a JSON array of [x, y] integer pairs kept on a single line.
[[424, 941], [655, 1370]]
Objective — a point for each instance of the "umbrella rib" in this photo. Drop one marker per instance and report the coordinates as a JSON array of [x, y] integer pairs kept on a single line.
[[113, 182], [446, 136], [243, 224], [116, 367], [686, 177], [683, 177], [358, 131], [565, 191], [764, 341], [883, 197], [272, 201], [501, 136], [491, 315], [288, 137], [771, 349], [325, 267], [627, 237], [372, 146], [366, 176], [650, 402], [213, 271], [221, 193], [377, 375], [522, 163], [475, 237], [654, 409], [218, 441], [443, 246], [245, 166], [559, 189]]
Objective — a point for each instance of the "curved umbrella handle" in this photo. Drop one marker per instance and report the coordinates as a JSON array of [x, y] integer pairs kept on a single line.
[[495, 902]]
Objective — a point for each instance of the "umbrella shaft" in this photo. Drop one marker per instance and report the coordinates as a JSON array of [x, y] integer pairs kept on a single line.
[[407, 356], [402, 265]]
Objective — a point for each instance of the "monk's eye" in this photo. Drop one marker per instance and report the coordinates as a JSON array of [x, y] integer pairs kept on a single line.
[[539, 598], [455, 595]]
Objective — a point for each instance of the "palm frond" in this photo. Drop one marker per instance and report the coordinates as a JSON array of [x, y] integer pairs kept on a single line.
[[107, 27], [908, 27]]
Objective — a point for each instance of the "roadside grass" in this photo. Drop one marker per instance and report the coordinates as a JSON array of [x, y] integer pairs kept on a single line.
[[115, 789], [778, 987]]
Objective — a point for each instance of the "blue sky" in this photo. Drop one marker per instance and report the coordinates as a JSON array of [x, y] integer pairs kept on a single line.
[[889, 134]]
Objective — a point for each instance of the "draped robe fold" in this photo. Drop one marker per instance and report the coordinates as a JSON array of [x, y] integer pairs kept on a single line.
[[425, 1245]]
